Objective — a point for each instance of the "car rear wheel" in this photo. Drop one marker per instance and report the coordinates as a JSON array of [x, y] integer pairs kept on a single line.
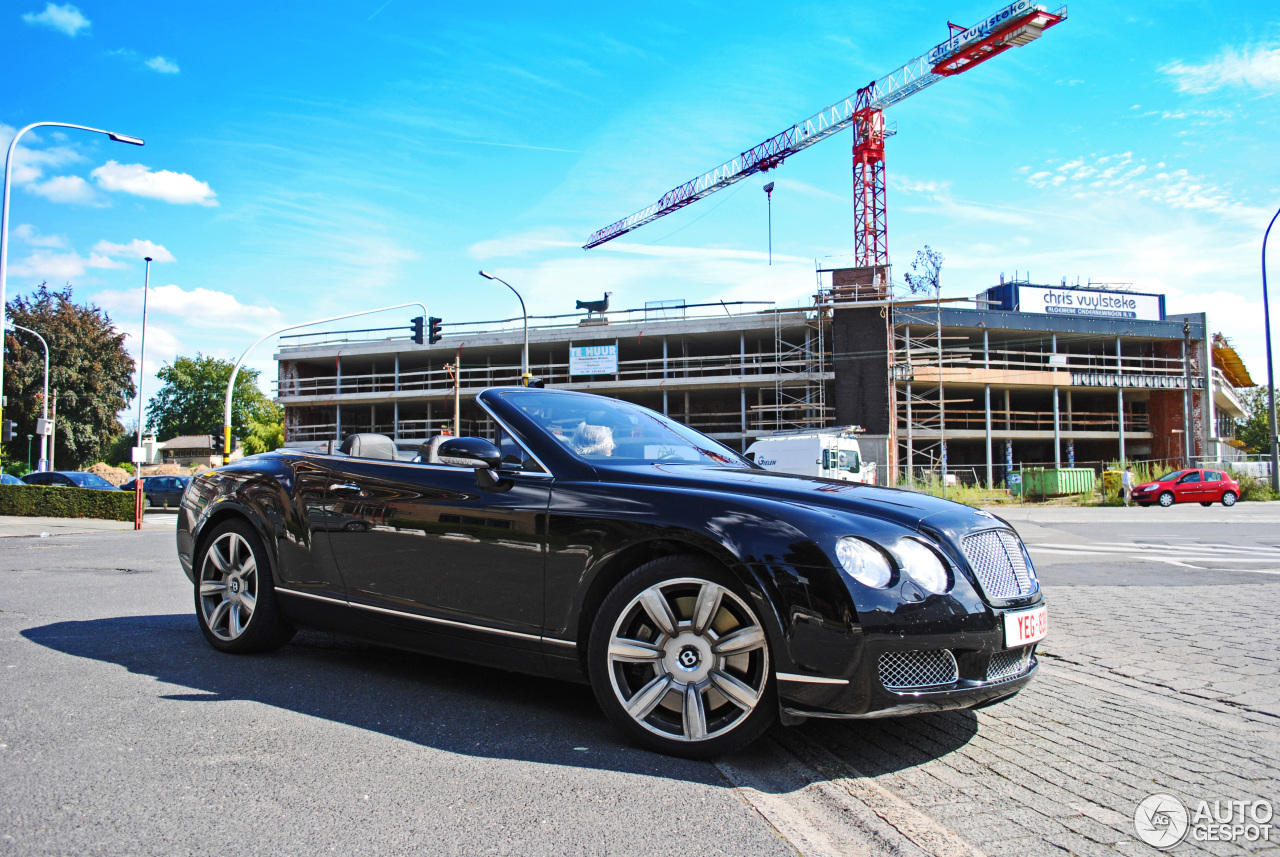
[[1228, 498], [679, 660], [235, 596], [1166, 499]]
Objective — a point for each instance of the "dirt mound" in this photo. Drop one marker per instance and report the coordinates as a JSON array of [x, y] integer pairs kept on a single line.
[[114, 475], [167, 470]]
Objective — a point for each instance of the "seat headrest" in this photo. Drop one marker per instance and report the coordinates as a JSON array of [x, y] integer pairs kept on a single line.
[[370, 446], [427, 453]]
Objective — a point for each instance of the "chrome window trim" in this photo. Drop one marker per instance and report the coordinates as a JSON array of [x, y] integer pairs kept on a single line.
[[431, 619], [497, 419]]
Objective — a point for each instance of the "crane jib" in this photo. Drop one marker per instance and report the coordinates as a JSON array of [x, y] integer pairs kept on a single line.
[[921, 72]]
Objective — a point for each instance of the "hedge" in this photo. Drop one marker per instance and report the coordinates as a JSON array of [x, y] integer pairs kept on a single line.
[[59, 502]]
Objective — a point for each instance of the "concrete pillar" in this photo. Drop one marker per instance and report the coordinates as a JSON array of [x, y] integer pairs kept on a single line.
[[742, 390], [1210, 428], [664, 375], [395, 420], [337, 388], [1008, 411], [1057, 420], [986, 398], [396, 385], [1070, 425], [910, 436], [1119, 404], [987, 403]]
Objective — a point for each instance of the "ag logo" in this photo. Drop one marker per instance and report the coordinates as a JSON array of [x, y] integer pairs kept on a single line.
[[1160, 821]]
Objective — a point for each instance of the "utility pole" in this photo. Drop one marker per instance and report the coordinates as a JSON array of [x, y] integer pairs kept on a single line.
[[53, 430], [139, 456]]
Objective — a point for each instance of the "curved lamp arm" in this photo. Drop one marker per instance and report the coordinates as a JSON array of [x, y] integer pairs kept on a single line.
[[231, 383]]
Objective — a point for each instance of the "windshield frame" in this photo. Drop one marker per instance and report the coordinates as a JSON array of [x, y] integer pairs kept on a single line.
[[1172, 475], [707, 447]]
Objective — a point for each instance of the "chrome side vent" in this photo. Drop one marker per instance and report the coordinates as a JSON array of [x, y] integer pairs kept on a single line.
[[917, 669]]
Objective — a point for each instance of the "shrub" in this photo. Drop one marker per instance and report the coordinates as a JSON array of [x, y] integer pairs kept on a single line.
[[51, 502], [1253, 488]]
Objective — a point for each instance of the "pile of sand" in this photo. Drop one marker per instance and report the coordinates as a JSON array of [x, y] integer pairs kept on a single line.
[[114, 475]]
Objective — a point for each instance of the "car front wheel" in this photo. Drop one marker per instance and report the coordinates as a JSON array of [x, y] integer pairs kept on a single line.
[[679, 660], [1229, 498], [235, 597], [1166, 499]]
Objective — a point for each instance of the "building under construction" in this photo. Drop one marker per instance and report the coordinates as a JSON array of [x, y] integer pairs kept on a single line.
[[1021, 374]]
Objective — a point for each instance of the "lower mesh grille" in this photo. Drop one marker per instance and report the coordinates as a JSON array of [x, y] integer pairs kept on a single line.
[[908, 670], [1010, 664]]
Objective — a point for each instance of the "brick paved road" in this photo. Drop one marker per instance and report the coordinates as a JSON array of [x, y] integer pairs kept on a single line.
[[1142, 690]]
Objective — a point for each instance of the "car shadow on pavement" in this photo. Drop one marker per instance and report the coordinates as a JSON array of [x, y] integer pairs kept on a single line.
[[447, 705]]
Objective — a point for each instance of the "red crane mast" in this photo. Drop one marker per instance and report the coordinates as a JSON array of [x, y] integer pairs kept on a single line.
[[1017, 24]]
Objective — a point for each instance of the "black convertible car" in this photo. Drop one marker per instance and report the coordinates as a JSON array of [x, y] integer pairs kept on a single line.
[[700, 595]]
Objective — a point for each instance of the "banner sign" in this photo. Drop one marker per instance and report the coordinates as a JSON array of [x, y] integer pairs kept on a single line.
[[980, 30], [593, 359], [1150, 382], [1049, 300]]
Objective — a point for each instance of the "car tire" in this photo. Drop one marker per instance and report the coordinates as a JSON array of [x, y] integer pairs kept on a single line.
[[1206, 504], [146, 501], [235, 595], [1228, 498], [679, 659], [1166, 499]]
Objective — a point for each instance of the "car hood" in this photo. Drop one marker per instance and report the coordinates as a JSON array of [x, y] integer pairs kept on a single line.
[[906, 508]]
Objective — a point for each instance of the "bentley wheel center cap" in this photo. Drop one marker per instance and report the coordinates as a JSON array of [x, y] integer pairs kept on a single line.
[[689, 658], [235, 585]]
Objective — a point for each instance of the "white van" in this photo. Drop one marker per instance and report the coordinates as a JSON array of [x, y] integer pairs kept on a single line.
[[832, 453]]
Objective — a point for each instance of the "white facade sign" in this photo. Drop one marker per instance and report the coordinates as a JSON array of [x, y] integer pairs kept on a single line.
[[1046, 300], [593, 359]]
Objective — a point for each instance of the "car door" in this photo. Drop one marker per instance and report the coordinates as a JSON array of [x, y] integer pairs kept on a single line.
[[1189, 488], [435, 548], [1212, 487]]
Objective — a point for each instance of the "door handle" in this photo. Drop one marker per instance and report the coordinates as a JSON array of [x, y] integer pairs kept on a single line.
[[344, 488]]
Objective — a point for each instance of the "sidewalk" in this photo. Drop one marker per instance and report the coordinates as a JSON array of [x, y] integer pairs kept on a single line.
[[12, 526]]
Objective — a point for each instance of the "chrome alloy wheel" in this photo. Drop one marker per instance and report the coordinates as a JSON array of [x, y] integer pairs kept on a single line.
[[228, 586], [688, 659]]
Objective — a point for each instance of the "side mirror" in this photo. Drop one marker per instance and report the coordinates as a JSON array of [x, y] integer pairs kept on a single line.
[[478, 454], [474, 452]]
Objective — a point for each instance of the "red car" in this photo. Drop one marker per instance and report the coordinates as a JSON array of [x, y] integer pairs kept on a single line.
[[1189, 486]]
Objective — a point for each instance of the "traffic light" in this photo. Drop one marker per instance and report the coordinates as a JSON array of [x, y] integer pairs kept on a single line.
[[433, 330], [416, 327], [10, 431]]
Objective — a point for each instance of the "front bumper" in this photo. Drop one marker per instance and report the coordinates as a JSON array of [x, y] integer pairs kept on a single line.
[[860, 691]]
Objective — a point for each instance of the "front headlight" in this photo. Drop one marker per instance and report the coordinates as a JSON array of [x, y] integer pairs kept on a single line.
[[863, 562], [922, 565]]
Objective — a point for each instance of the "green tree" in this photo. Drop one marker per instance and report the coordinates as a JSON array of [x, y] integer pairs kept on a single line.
[[1252, 431], [89, 369], [266, 432], [192, 394]]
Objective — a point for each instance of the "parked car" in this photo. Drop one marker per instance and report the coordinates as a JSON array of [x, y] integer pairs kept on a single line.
[[1189, 486], [163, 491], [700, 595], [69, 479], [10, 479]]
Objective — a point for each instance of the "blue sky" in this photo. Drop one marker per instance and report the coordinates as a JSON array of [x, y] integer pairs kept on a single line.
[[305, 159]]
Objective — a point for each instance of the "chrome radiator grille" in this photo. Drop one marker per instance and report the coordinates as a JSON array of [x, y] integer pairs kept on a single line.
[[1009, 664], [916, 669], [996, 558]]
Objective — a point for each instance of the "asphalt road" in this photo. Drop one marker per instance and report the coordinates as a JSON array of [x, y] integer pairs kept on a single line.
[[121, 731]]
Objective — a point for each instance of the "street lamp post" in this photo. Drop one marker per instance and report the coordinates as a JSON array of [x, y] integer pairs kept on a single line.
[[4, 213], [1271, 378], [139, 501], [43, 428], [524, 366], [29, 437], [231, 382]]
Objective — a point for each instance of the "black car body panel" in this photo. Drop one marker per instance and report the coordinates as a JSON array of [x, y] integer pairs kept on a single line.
[[512, 577]]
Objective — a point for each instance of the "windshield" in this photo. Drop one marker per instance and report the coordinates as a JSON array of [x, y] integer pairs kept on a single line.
[[606, 431], [89, 480], [1169, 477]]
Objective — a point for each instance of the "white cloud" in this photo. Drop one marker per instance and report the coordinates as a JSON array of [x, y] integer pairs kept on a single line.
[[197, 308], [522, 244], [1257, 67], [135, 249], [942, 203], [65, 19], [61, 266], [140, 180], [69, 189], [162, 65], [28, 234]]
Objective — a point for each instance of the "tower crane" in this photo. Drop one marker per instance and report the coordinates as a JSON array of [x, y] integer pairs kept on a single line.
[[1015, 25]]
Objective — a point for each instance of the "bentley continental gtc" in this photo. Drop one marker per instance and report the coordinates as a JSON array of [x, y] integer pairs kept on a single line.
[[588, 539]]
